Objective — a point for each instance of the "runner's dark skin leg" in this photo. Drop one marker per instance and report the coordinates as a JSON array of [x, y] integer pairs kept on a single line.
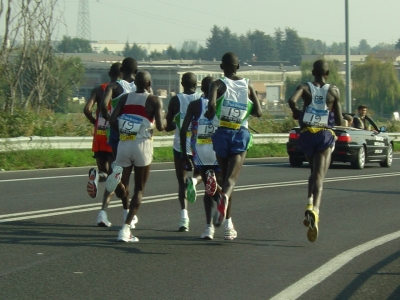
[[122, 190], [140, 176], [319, 164]]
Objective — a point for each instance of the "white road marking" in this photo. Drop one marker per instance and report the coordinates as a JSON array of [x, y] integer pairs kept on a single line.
[[303, 285], [166, 197], [85, 175]]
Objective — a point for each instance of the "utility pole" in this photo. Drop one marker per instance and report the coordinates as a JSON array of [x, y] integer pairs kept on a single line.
[[83, 28], [348, 63]]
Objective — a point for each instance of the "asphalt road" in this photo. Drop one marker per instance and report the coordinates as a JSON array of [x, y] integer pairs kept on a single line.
[[50, 247]]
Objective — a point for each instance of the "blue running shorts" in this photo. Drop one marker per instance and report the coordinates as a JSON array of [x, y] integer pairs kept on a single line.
[[309, 142], [228, 141]]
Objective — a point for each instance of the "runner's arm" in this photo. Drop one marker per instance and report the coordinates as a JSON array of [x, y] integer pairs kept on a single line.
[[106, 100], [212, 100], [158, 114], [173, 109], [87, 110], [256, 111], [185, 126], [337, 109], [293, 101]]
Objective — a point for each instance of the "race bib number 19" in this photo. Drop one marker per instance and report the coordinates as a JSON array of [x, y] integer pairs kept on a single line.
[[129, 125], [316, 117]]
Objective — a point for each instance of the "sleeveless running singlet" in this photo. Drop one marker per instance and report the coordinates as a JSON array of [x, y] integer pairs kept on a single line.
[[184, 100], [201, 143], [100, 130], [134, 121], [317, 113], [234, 106]]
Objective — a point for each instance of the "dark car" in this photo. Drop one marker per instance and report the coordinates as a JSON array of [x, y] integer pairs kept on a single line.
[[356, 146]]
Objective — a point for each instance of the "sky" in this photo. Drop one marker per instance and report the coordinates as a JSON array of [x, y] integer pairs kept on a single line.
[[175, 21]]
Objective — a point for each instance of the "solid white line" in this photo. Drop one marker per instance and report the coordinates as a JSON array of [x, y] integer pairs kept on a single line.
[[85, 175], [166, 197], [303, 285]]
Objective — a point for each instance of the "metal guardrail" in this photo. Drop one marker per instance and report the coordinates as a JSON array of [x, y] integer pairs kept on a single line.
[[37, 142]]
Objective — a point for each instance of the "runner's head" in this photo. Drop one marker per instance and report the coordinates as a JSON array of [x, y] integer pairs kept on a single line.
[[189, 81], [115, 71], [205, 85], [230, 62], [320, 68], [143, 80], [129, 66]]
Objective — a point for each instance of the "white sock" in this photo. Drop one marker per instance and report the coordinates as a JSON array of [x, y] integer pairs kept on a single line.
[[228, 223], [316, 210], [184, 214], [311, 200], [194, 181]]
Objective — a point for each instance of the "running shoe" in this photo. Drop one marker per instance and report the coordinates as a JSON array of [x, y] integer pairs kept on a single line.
[[134, 220], [114, 179], [211, 184], [309, 207], [92, 185], [208, 234], [102, 220], [125, 235], [184, 225], [191, 193], [230, 233], [220, 213], [313, 219]]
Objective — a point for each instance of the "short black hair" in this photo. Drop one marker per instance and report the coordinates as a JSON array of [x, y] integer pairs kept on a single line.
[[115, 69], [320, 68], [189, 80], [230, 59], [362, 106], [129, 65]]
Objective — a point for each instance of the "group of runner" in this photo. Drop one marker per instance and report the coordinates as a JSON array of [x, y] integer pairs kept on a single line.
[[211, 139]]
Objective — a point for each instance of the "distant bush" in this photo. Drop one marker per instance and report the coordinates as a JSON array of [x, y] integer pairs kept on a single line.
[[47, 123]]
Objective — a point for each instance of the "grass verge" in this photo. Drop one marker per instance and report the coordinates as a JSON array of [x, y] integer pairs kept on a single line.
[[55, 158]]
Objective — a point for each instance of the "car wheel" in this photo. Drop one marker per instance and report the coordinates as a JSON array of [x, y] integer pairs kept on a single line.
[[359, 163], [389, 157], [295, 162]]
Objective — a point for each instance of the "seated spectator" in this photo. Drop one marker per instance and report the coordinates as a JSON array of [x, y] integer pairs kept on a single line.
[[347, 121]]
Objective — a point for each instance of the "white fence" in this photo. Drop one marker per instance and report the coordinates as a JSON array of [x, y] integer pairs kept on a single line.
[[37, 142]]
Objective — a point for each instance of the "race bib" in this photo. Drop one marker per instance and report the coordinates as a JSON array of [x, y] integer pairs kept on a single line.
[[316, 117], [204, 132], [129, 125], [232, 114], [102, 126]]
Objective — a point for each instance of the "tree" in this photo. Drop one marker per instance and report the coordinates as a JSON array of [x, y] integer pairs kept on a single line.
[[74, 45], [135, 51], [190, 46], [293, 47], [376, 84], [363, 47], [214, 43], [262, 46], [279, 42], [312, 46], [172, 53], [397, 46]]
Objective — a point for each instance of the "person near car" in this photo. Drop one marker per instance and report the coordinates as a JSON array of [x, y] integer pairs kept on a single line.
[[359, 118], [320, 112]]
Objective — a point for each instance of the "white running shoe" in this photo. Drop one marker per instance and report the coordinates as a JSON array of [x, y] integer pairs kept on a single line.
[[125, 235], [114, 179], [92, 185], [134, 220], [102, 220], [184, 225], [208, 234], [230, 233]]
